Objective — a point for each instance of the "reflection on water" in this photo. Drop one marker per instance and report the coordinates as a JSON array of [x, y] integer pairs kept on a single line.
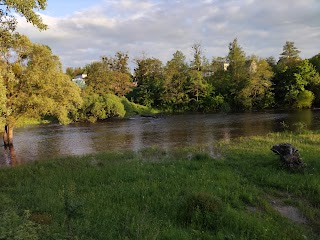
[[51, 141], [9, 156]]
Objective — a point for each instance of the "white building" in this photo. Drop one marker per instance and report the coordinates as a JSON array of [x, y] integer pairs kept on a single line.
[[80, 80]]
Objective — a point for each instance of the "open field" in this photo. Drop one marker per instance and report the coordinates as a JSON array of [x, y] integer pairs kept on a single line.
[[238, 191]]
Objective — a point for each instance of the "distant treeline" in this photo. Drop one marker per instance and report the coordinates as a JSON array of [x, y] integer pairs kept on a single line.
[[234, 82]]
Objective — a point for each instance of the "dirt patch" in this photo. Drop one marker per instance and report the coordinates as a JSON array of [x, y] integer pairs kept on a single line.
[[290, 212]]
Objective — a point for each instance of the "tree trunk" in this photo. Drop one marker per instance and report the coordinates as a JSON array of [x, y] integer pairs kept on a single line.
[[8, 136]]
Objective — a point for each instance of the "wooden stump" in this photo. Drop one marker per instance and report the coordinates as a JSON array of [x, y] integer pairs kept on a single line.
[[289, 155]]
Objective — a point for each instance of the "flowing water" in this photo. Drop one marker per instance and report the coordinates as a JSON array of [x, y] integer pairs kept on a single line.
[[40, 142]]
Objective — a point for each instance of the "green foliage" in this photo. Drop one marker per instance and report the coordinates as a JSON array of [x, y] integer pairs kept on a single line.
[[34, 81], [97, 107], [119, 63], [109, 75], [73, 72], [233, 83], [26, 8], [315, 61], [132, 108], [237, 60], [304, 99], [296, 84], [175, 92], [149, 77], [290, 54]]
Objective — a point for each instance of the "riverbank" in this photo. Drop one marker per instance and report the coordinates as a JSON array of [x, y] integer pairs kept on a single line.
[[238, 191]]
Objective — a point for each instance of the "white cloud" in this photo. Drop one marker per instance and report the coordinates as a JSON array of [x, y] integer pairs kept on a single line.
[[162, 27]]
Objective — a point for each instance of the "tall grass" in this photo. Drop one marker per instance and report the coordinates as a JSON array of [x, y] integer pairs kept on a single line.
[[181, 194]]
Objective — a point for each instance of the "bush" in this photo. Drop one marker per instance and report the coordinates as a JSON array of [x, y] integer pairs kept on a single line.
[[305, 99], [132, 108], [97, 107]]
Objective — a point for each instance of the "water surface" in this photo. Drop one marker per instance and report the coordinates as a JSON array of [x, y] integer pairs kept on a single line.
[[50, 141]]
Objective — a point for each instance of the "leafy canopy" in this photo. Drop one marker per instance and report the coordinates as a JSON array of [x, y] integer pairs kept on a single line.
[[34, 82], [25, 8]]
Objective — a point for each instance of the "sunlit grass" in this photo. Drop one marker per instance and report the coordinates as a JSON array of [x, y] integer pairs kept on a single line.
[[30, 121], [187, 193]]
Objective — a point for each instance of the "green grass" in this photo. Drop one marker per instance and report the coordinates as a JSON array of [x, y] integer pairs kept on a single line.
[[182, 194], [136, 109], [30, 121]]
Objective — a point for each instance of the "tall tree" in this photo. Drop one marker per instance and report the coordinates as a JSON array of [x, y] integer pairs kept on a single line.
[[175, 95], [315, 60], [292, 81], [118, 63], [239, 75], [307, 76], [149, 75], [35, 84], [197, 51], [237, 61], [290, 53], [102, 79], [25, 8], [260, 85], [287, 86]]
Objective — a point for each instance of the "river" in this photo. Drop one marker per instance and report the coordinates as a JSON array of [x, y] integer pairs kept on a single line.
[[32, 143]]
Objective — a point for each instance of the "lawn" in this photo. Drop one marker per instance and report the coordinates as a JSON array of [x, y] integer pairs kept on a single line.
[[237, 191]]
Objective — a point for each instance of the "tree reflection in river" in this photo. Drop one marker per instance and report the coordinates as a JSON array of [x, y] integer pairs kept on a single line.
[[9, 156], [167, 132]]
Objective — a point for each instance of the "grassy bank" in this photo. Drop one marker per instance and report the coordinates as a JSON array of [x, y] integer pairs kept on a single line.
[[238, 192]]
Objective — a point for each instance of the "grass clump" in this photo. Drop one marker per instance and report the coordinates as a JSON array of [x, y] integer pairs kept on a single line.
[[132, 108], [14, 225], [200, 211], [160, 194]]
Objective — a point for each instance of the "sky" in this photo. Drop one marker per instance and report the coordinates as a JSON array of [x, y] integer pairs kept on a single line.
[[82, 31]]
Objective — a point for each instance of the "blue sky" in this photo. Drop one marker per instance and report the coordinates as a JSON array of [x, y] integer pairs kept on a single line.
[[82, 31], [67, 7]]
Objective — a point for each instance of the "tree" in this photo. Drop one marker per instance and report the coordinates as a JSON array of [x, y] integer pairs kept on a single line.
[[307, 76], [25, 8], [293, 80], [149, 75], [73, 72], [118, 63], [35, 84], [101, 79], [290, 53], [272, 62], [239, 75], [315, 60], [259, 87], [175, 95], [286, 88], [101, 107], [196, 63], [304, 99]]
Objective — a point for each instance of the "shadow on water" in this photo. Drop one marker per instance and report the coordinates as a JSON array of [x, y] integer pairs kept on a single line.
[[137, 133], [9, 156]]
